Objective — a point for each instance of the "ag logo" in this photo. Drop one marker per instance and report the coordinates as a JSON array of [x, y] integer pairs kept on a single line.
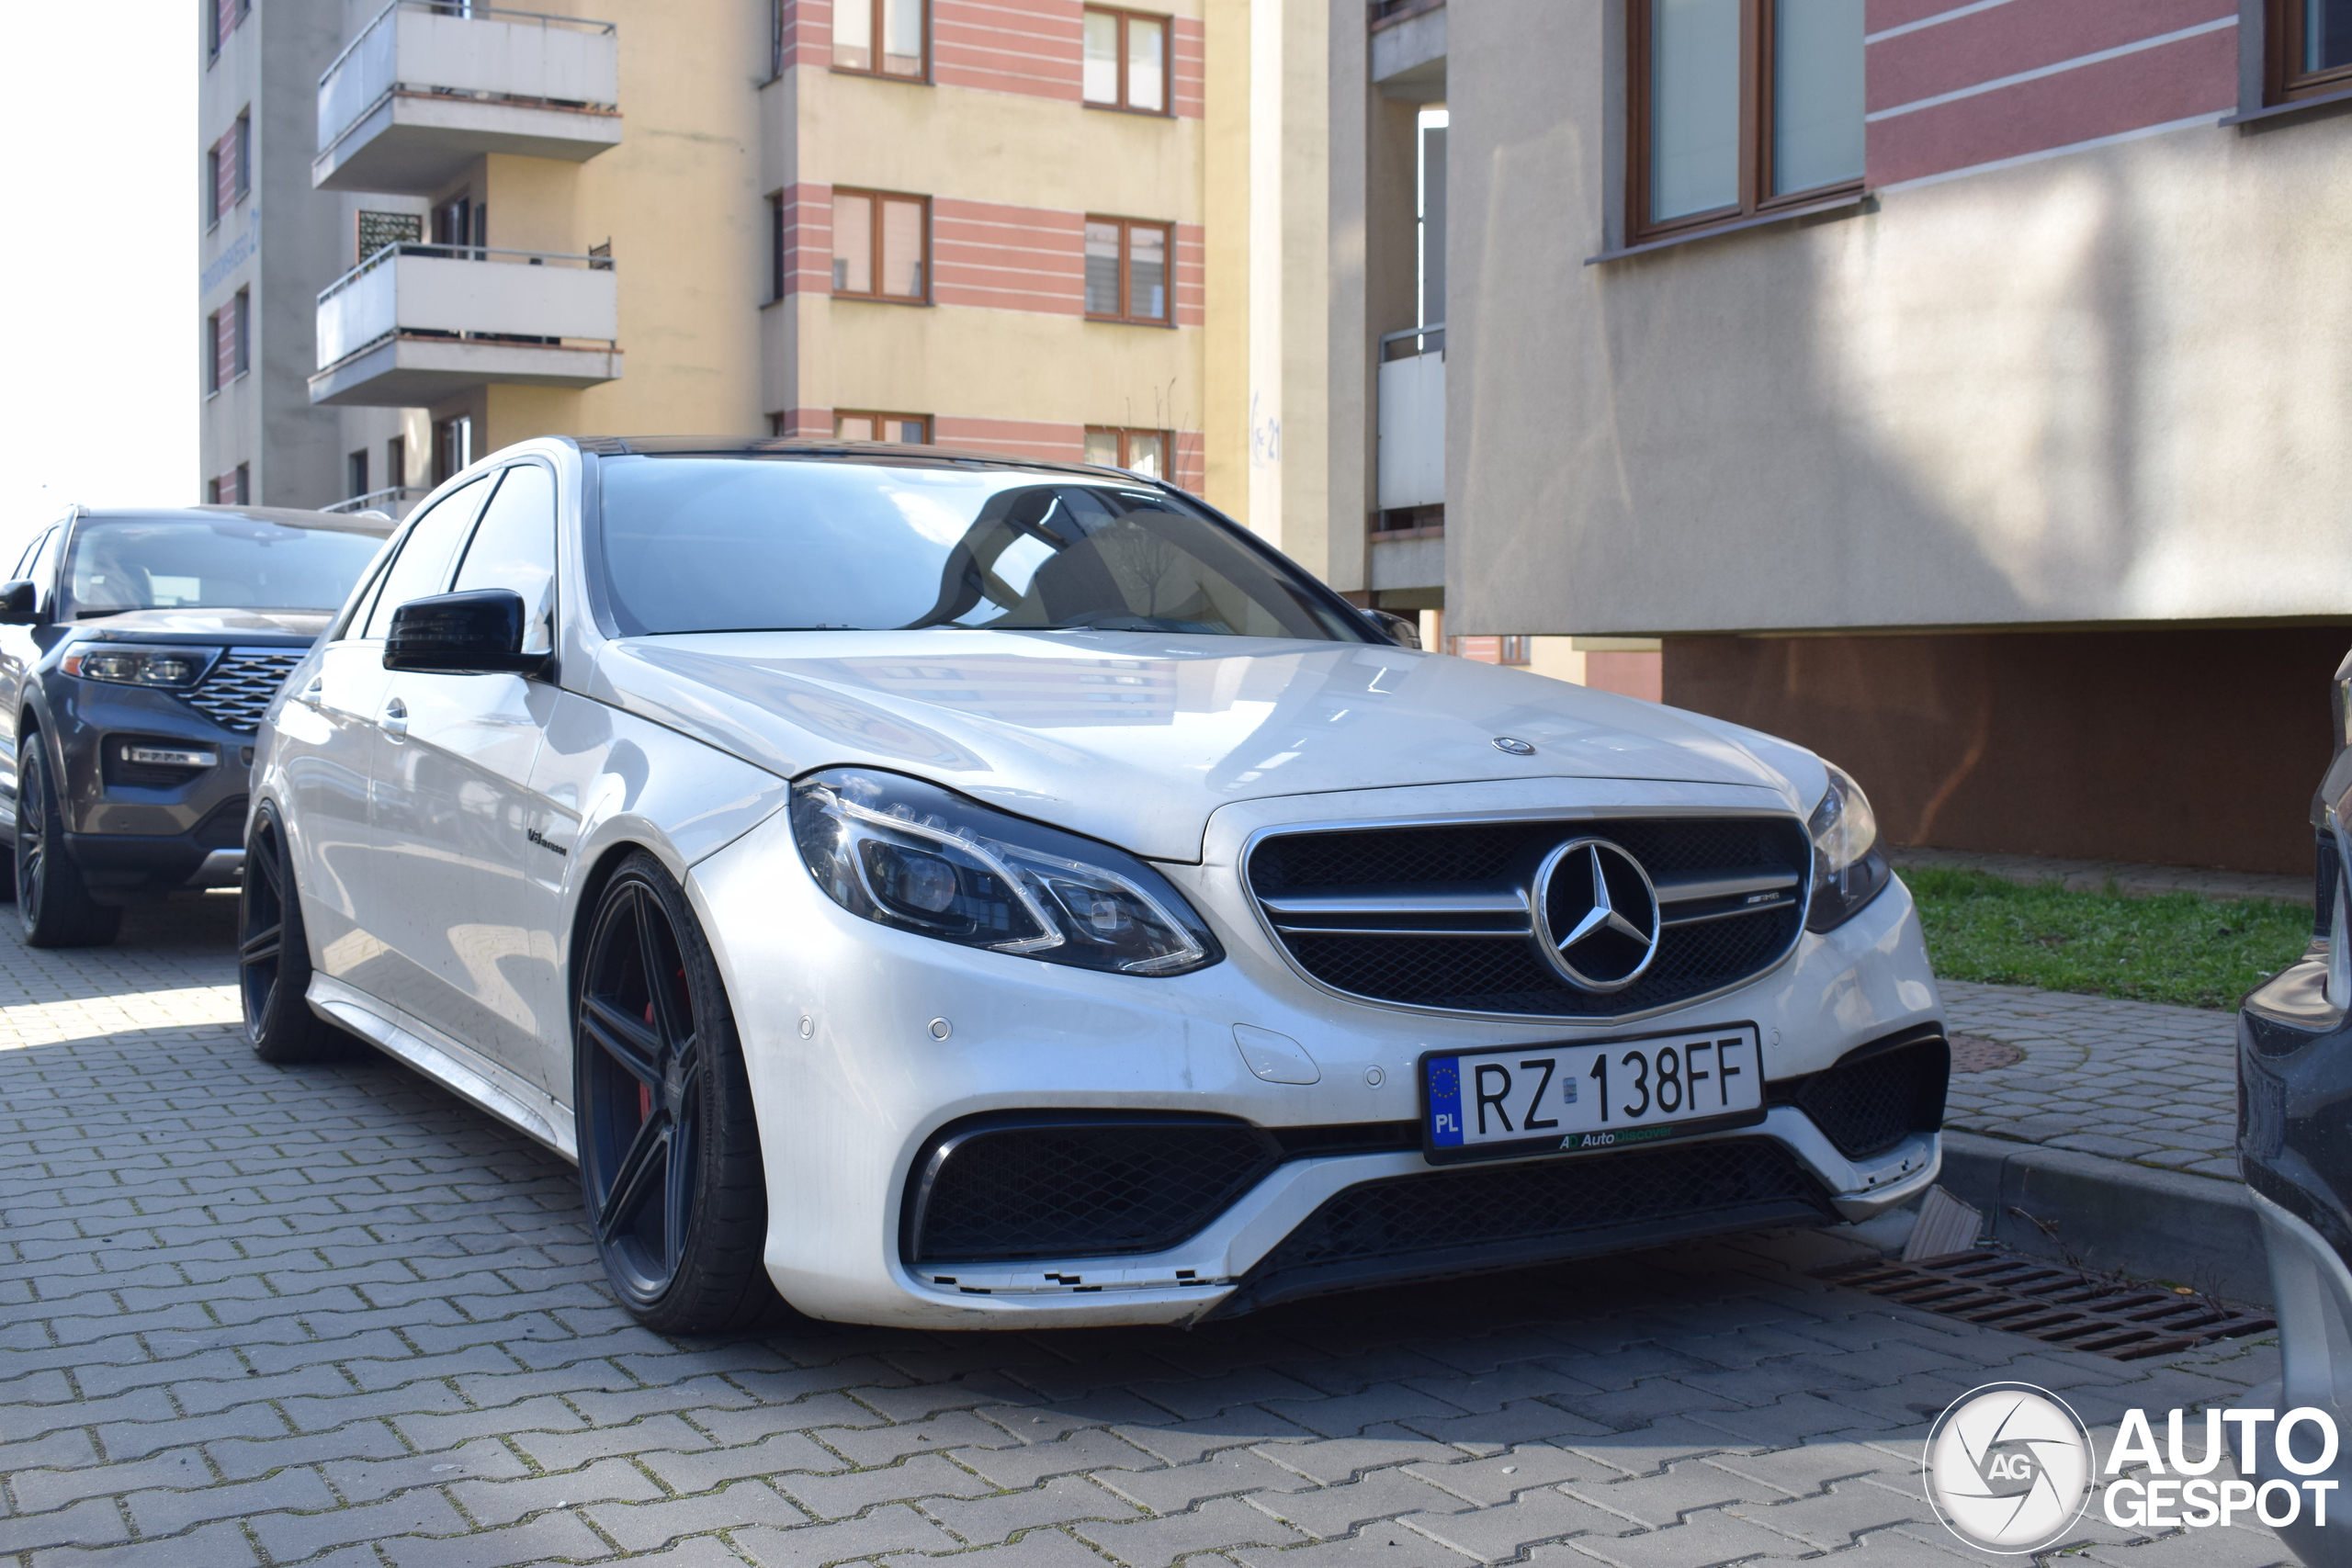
[[2008, 1468]]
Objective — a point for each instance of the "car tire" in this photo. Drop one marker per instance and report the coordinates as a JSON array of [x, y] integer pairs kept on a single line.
[[670, 1164], [52, 899], [273, 954]]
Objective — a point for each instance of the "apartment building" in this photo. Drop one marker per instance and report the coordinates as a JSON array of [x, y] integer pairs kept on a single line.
[[1959, 388], [1043, 227]]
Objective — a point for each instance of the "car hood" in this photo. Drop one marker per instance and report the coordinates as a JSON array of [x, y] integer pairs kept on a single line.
[[1135, 738], [239, 626]]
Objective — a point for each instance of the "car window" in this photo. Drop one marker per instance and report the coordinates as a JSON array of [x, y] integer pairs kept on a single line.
[[694, 543], [44, 570], [25, 562], [222, 562], [513, 546], [421, 569]]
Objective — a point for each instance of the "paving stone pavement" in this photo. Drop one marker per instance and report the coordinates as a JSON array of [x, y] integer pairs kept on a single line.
[[332, 1315], [2134, 1081]]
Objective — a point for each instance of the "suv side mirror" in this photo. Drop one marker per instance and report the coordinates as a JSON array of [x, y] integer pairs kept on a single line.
[[1405, 631], [480, 633], [19, 602]]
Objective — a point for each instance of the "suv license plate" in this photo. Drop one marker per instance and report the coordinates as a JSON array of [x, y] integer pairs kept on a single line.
[[1593, 1094]]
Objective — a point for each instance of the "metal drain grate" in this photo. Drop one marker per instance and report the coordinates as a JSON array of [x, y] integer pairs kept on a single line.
[[2081, 1310]]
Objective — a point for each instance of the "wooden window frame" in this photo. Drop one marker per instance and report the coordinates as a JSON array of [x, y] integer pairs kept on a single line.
[[2284, 81], [1755, 150], [930, 426], [879, 197], [920, 78], [1125, 315], [1127, 433], [1166, 63]]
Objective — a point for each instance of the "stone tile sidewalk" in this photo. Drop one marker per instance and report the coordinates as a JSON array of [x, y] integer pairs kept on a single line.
[[2134, 1081]]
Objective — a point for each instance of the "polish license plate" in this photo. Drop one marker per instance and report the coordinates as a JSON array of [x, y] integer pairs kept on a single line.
[[1593, 1094]]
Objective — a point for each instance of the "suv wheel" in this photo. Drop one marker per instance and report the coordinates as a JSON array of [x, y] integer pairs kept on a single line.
[[52, 899]]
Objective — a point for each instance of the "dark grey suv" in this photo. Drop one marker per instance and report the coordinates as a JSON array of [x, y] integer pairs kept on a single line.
[[137, 651]]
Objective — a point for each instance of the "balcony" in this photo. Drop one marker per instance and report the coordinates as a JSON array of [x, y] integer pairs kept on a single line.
[[1411, 469], [430, 85], [416, 324]]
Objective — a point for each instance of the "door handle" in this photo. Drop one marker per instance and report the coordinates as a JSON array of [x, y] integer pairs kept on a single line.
[[395, 720]]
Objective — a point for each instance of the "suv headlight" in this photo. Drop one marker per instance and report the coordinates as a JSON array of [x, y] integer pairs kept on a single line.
[[913, 855], [1848, 868], [131, 664]]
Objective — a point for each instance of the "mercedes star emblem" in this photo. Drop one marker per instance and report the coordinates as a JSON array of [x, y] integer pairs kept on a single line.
[[1514, 745], [1595, 914]]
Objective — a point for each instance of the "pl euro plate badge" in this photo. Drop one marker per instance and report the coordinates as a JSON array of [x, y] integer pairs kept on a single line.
[[1593, 1094]]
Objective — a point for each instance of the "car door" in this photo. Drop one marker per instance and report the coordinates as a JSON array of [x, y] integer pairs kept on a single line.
[[339, 784], [19, 651], [456, 809]]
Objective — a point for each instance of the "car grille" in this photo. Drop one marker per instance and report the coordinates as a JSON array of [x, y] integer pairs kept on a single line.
[[1877, 1096], [238, 691], [1437, 916], [1460, 1222]]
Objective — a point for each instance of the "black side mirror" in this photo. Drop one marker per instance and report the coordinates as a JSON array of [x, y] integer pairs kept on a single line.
[[462, 634], [19, 602], [1405, 631]]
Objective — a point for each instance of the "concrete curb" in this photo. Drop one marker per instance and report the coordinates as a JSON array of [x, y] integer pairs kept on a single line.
[[2157, 1225]]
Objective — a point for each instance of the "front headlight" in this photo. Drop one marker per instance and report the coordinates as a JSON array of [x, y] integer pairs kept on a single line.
[[1849, 869], [913, 855], [131, 664]]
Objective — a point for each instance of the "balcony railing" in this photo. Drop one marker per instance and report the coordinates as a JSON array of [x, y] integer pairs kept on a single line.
[[439, 319], [430, 83], [1412, 466], [392, 500]]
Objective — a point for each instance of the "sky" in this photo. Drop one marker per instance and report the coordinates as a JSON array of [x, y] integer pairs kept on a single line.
[[100, 99]]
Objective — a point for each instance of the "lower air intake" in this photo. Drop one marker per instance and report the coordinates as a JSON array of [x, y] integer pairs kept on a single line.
[[1876, 1096], [1508, 1216]]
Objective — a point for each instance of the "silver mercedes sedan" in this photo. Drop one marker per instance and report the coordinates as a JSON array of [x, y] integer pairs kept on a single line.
[[930, 888]]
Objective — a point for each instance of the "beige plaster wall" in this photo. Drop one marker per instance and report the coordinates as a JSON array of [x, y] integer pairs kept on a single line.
[[2104, 387]]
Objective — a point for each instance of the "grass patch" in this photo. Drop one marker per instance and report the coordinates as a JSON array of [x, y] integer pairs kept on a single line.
[[2181, 948]]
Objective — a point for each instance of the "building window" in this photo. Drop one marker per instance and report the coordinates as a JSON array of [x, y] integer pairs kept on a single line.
[[777, 253], [461, 221], [1127, 271], [881, 246], [396, 462], [2310, 48], [899, 25], [229, 167], [241, 313], [222, 16], [230, 341], [1127, 60], [235, 488], [241, 139], [861, 425], [355, 473], [453, 447], [1137, 451], [1514, 650], [1740, 107]]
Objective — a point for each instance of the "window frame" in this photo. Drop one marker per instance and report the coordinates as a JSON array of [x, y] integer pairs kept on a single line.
[[1126, 434], [235, 12], [1126, 317], [1754, 118], [2284, 81], [777, 252], [1167, 63], [930, 426], [920, 78], [880, 263]]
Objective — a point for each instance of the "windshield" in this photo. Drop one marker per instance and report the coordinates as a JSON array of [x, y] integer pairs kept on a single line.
[[743, 544], [217, 563]]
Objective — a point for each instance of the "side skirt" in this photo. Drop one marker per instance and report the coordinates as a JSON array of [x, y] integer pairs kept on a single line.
[[460, 1069]]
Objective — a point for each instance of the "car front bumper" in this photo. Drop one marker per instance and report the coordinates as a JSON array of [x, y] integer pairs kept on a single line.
[[861, 1042], [134, 836]]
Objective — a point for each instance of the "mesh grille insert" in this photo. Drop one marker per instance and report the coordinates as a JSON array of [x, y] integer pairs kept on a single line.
[[1080, 1188], [1506, 975], [1869, 1105], [1514, 1215], [239, 688]]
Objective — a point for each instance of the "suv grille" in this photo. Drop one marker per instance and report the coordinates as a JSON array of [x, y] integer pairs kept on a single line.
[[1508, 1216], [1437, 917], [237, 692]]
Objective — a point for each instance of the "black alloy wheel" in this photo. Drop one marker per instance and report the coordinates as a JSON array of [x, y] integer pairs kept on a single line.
[[51, 899], [669, 1149], [273, 955]]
